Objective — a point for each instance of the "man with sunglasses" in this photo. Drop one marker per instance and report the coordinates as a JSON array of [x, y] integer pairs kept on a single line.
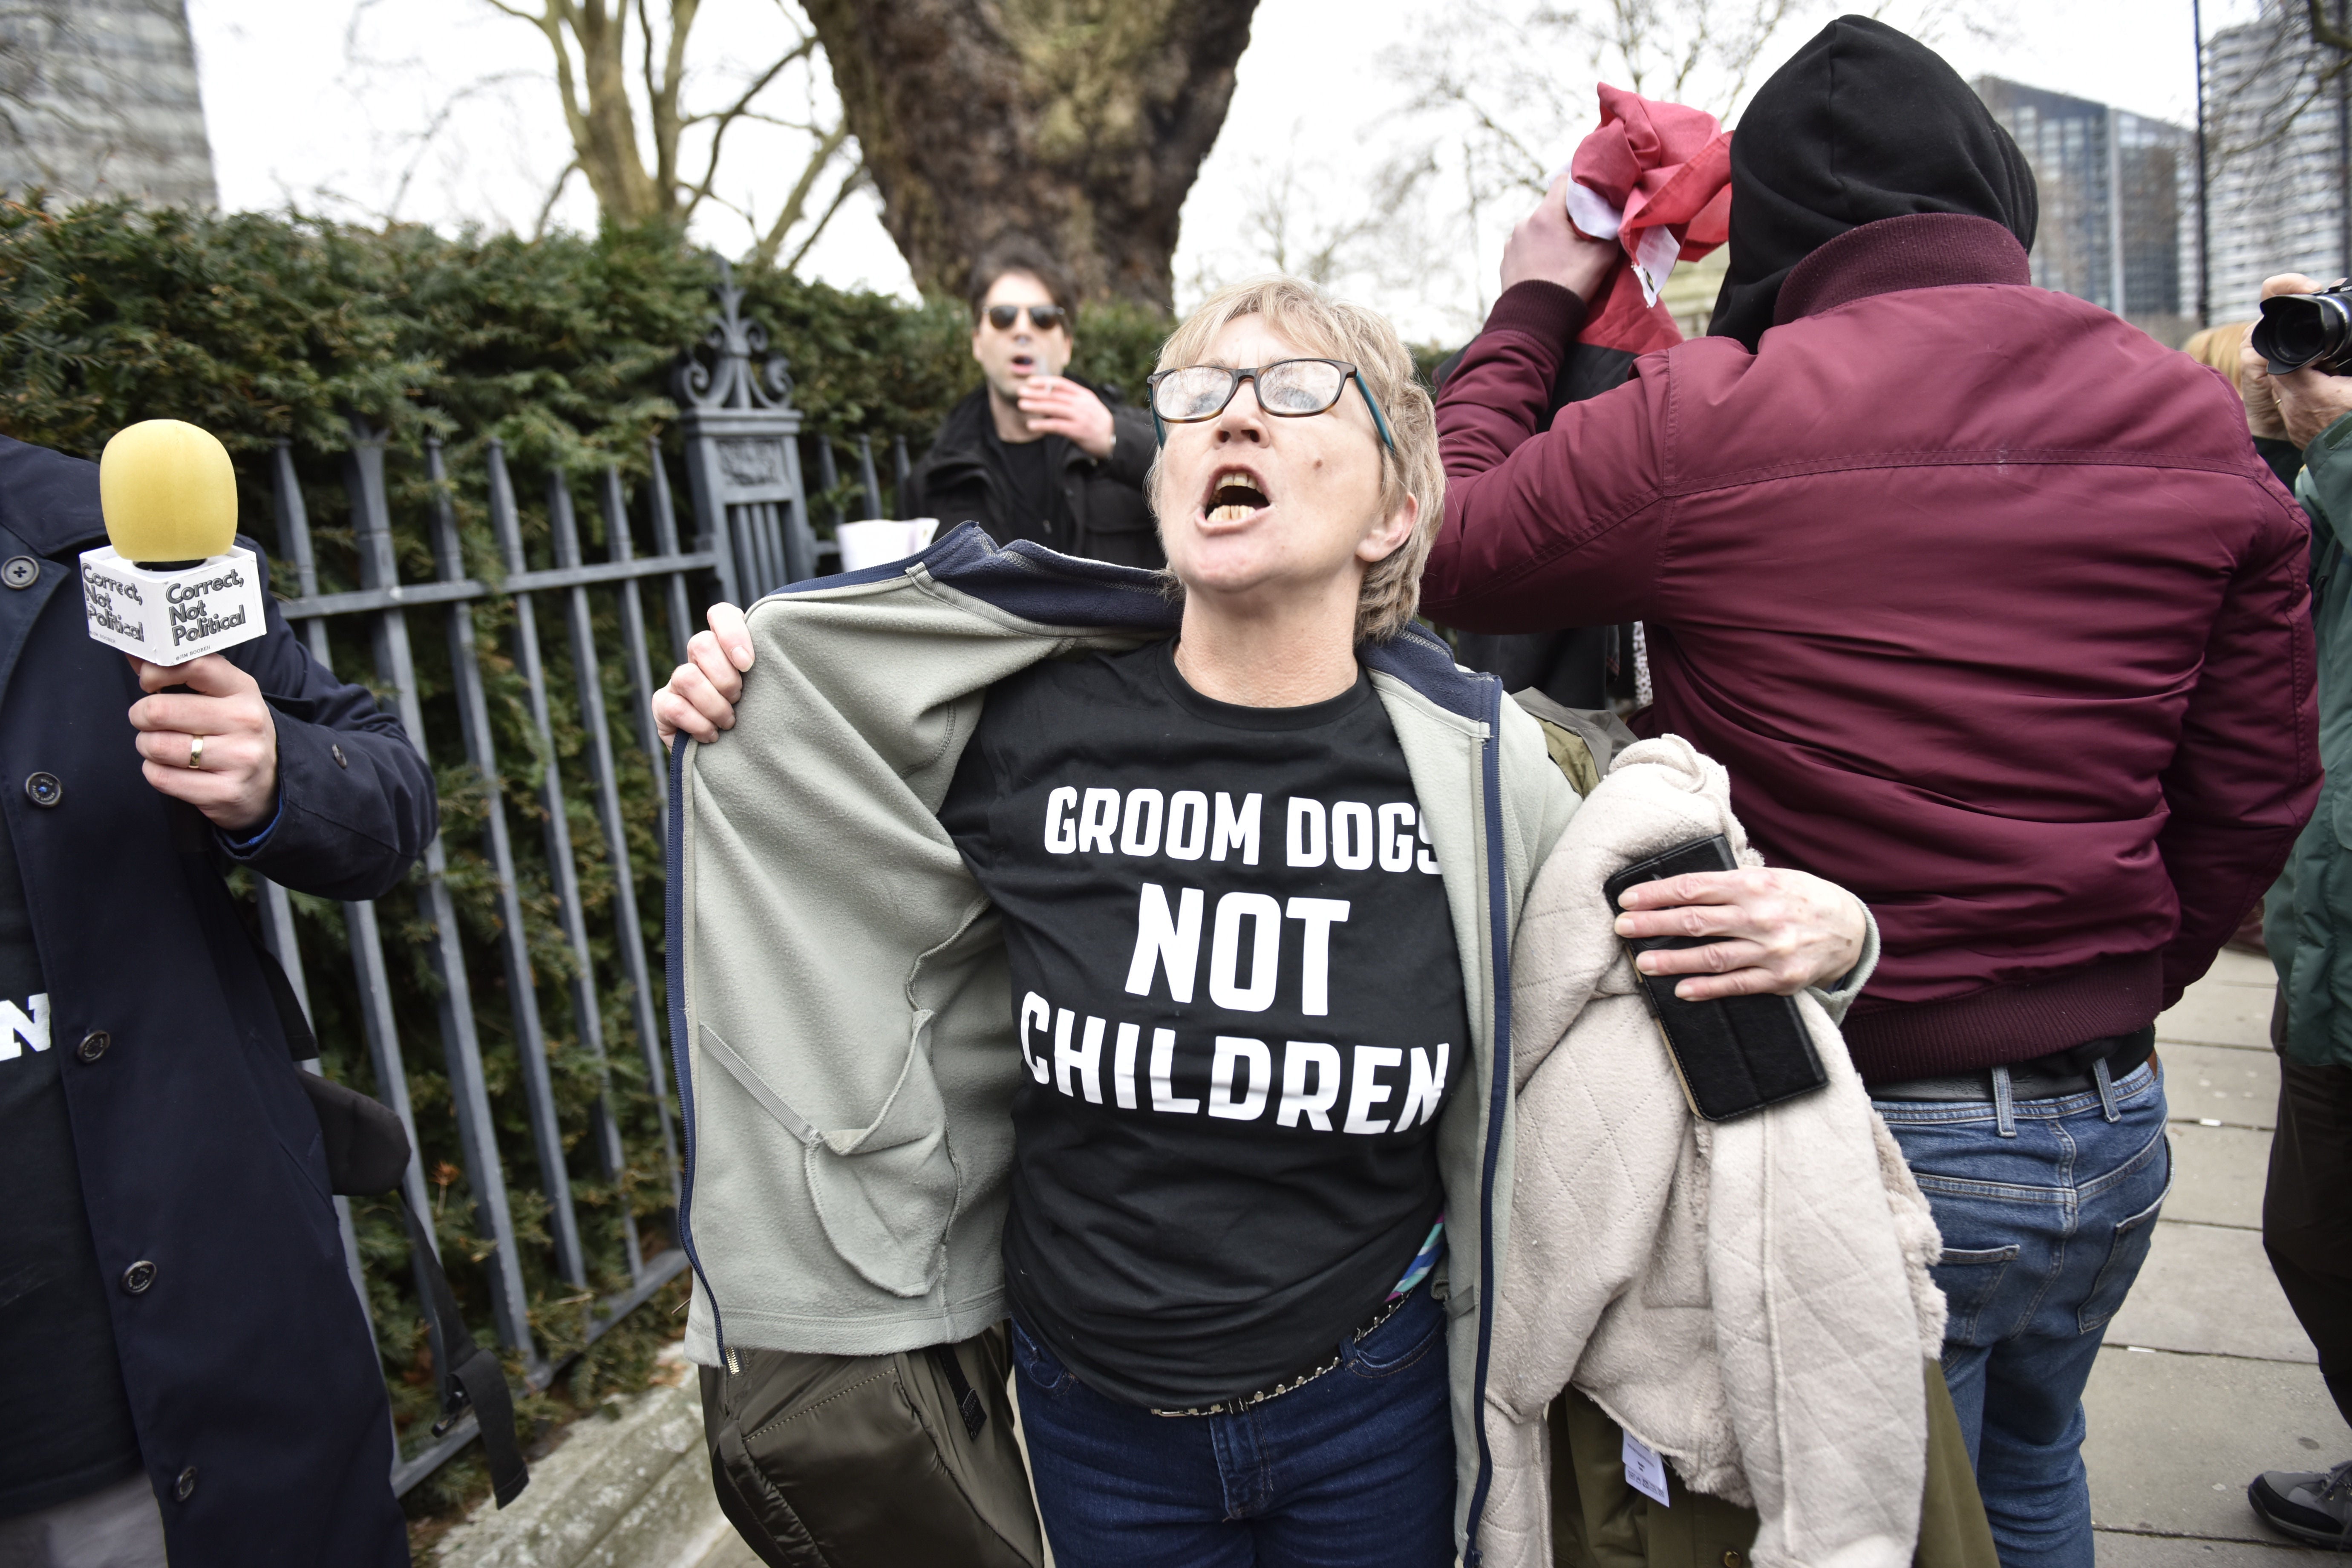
[[1033, 453]]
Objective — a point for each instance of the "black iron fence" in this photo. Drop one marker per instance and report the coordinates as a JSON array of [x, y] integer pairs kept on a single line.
[[575, 1096]]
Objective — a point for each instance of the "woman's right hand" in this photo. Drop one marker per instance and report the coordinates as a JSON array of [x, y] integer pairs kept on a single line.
[[702, 692]]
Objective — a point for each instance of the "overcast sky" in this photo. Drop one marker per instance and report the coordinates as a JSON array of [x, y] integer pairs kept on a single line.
[[445, 111]]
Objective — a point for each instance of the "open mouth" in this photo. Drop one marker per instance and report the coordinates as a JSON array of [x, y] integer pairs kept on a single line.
[[1234, 495], [1025, 365]]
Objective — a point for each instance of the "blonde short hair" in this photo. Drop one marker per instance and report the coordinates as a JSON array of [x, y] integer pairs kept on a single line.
[[1335, 329], [2219, 346]]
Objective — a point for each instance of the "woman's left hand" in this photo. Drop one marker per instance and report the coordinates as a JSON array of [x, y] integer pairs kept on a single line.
[[1776, 931]]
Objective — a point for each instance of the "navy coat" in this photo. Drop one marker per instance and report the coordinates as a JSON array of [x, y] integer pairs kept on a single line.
[[253, 1382]]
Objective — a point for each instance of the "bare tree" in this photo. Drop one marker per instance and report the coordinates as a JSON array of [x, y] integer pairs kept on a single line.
[[1357, 234], [618, 61], [1079, 124], [2331, 34], [1507, 91], [2278, 125], [1518, 99], [2292, 58], [1372, 240], [1677, 50]]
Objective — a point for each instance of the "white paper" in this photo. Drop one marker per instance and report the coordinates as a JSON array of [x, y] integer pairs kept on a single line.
[[1590, 211], [877, 541], [1644, 1471], [1654, 261], [1655, 254]]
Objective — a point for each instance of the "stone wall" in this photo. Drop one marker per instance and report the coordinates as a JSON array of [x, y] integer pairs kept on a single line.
[[98, 98]]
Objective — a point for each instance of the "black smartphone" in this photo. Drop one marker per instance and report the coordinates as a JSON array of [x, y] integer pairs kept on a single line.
[[1734, 1054]]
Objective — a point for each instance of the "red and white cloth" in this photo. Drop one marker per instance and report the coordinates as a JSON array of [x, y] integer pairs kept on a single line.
[[1657, 178]]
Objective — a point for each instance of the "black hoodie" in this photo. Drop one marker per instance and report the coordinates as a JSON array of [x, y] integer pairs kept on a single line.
[[1100, 510], [1863, 123]]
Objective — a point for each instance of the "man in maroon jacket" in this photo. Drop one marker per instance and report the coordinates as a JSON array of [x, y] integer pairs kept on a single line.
[[1988, 606]]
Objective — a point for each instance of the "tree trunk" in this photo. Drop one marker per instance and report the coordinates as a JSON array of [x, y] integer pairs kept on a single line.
[[1079, 124], [604, 127]]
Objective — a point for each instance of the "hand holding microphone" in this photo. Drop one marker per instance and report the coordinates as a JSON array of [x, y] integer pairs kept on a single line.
[[171, 589], [214, 745]]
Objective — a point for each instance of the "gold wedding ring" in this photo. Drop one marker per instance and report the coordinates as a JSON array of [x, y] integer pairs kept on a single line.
[[196, 752]]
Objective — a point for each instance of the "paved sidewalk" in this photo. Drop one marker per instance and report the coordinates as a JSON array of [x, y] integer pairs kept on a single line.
[[2205, 1379]]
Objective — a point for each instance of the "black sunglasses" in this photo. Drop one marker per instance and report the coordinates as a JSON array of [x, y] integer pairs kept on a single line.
[[1045, 318]]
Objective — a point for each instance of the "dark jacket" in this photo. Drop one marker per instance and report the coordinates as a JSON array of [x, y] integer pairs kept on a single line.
[[1103, 513], [1981, 594], [252, 1379], [2309, 925]]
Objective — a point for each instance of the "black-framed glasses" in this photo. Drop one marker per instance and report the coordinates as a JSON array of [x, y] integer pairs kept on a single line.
[[1045, 318], [1290, 389]]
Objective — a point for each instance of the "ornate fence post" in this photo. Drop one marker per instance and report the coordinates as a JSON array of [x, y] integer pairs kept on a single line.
[[741, 457]]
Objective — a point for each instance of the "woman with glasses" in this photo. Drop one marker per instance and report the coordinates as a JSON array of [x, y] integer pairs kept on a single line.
[[1246, 876]]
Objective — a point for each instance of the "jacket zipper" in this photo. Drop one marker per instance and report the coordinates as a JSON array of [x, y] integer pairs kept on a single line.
[[1498, 1099], [673, 977], [964, 462]]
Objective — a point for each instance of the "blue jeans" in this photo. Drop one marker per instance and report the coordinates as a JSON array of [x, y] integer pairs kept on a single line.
[[2045, 1225], [1352, 1470]]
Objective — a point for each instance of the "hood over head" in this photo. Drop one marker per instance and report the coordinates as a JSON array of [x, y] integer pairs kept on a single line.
[[1865, 123]]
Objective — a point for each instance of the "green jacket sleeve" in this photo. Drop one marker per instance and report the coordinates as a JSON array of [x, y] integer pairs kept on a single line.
[[2308, 914], [2324, 488]]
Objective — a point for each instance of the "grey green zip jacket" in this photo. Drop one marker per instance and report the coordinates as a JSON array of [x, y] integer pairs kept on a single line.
[[2307, 918], [840, 1007]]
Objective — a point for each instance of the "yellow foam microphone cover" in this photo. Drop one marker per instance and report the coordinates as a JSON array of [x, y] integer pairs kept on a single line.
[[168, 492]]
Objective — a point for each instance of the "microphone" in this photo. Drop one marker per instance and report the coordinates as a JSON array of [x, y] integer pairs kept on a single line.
[[172, 584]]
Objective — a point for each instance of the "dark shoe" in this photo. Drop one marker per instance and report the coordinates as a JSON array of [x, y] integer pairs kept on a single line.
[[2314, 1509]]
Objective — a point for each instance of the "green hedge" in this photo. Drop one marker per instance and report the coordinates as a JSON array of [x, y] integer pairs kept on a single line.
[[260, 327]]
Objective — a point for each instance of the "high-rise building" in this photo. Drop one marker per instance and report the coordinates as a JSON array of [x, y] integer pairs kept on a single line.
[[2118, 204], [98, 98], [2276, 139]]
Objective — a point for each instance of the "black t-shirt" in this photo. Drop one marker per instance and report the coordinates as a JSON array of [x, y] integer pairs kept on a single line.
[[1027, 470], [1240, 1005], [64, 1422]]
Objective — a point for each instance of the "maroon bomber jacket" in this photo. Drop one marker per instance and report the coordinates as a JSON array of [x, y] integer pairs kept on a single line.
[[1981, 594]]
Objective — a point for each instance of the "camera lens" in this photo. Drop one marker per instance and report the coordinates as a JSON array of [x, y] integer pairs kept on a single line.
[[2301, 329]]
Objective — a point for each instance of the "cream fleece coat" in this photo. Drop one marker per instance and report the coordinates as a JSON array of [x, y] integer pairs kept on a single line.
[[1751, 1298]]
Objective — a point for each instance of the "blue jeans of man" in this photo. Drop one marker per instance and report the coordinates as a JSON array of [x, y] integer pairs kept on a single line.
[[2046, 1207], [1354, 1470]]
